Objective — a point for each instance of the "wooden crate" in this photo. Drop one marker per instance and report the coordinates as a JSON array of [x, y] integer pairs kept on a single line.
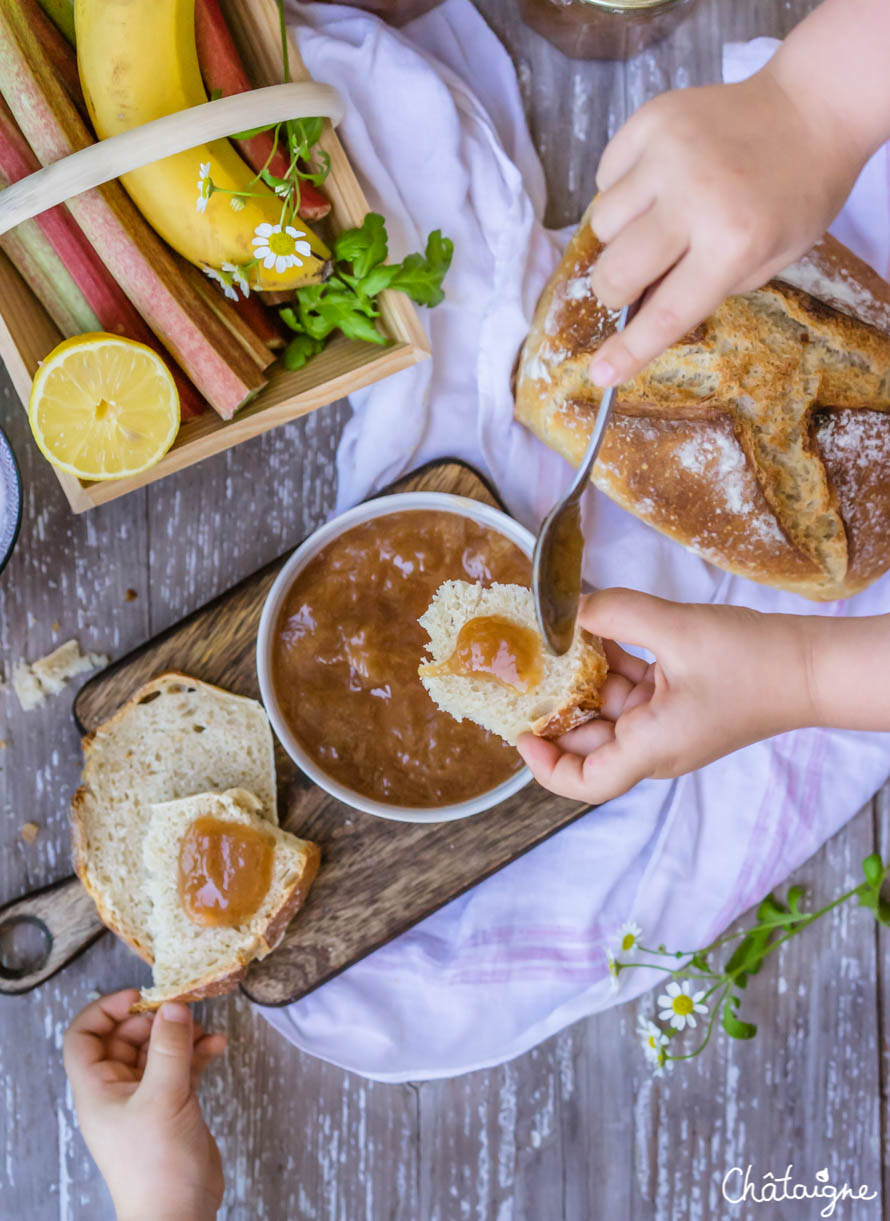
[[27, 333]]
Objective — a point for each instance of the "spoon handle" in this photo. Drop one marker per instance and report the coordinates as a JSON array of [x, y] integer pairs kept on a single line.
[[582, 475]]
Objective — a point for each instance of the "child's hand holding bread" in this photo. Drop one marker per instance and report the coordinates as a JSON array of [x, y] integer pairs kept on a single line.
[[723, 677]]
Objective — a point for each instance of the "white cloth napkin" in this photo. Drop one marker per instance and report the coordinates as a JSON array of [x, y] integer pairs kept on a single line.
[[435, 128]]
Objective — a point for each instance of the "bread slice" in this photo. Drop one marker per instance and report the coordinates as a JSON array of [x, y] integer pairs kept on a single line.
[[174, 737], [192, 960], [567, 695]]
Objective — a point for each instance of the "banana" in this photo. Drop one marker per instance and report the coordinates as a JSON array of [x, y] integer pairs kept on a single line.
[[138, 61]]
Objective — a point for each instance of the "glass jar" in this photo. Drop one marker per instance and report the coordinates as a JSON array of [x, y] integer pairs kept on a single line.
[[396, 12], [604, 29]]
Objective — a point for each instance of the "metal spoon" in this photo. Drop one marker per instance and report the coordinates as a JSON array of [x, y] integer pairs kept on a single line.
[[556, 565]]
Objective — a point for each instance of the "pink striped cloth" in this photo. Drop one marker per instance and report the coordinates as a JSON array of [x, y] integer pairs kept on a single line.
[[435, 126]]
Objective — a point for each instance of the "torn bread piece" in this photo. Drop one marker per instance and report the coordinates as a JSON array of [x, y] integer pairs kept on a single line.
[[198, 887], [490, 665], [49, 675], [174, 737]]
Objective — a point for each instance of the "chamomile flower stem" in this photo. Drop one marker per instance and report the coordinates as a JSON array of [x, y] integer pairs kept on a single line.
[[285, 57]]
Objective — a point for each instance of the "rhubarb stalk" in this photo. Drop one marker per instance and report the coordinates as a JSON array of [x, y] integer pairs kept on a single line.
[[140, 263], [224, 73], [62, 14], [93, 300]]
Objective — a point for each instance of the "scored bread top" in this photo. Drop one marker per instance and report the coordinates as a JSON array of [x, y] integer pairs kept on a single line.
[[193, 960], [173, 738], [567, 695], [726, 441]]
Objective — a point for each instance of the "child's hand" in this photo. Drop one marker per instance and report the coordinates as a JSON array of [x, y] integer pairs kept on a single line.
[[715, 189], [134, 1081], [723, 677]]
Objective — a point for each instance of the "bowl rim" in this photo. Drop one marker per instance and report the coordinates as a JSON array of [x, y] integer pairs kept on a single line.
[[9, 538], [380, 506]]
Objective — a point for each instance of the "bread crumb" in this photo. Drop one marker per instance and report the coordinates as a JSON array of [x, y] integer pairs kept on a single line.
[[29, 832], [48, 675], [130, 595]]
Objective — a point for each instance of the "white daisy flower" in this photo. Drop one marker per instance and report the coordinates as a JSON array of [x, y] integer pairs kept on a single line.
[[654, 1041], [280, 246], [614, 970], [678, 1004], [205, 187], [283, 190], [629, 937], [223, 281], [238, 277], [651, 1037], [236, 203]]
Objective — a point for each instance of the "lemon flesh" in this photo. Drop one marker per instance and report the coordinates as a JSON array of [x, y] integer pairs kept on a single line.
[[103, 407]]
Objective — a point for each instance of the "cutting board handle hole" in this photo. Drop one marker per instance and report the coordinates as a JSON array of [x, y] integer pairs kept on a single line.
[[25, 945]]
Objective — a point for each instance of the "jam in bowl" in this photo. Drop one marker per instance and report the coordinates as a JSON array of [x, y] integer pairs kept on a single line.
[[339, 646]]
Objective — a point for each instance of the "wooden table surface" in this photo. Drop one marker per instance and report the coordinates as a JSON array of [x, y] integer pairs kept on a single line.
[[574, 1131]]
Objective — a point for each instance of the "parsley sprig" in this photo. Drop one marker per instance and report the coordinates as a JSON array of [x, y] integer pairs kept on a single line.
[[347, 301]]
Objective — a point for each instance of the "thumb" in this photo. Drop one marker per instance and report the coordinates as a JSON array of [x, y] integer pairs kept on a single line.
[[167, 1075], [629, 617]]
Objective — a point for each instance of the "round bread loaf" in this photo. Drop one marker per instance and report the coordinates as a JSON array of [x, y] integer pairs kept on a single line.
[[761, 440]]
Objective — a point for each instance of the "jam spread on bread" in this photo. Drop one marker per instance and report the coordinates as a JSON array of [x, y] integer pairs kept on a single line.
[[225, 869], [494, 647], [347, 647]]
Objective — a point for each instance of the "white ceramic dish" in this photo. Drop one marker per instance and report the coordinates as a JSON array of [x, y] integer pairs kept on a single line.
[[316, 542]]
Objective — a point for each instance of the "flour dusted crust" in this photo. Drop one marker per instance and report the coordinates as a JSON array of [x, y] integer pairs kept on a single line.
[[761, 440]]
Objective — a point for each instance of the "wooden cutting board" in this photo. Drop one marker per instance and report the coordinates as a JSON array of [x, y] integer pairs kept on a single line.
[[378, 878]]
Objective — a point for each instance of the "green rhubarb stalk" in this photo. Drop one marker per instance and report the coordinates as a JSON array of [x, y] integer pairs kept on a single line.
[[62, 14], [143, 266], [46, 275]]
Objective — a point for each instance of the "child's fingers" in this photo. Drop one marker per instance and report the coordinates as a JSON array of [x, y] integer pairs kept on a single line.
[[135, 1029], [167, 1074], [206, 1051], [634, 617], [689, 293], [628, 665], [587, 738], [644, 251], [557, 770], [85, 1039], [622, 152], [624, 201]]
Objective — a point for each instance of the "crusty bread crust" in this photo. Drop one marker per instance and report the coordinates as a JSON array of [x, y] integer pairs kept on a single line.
[[730, 442], [227, 981], [584, 696]]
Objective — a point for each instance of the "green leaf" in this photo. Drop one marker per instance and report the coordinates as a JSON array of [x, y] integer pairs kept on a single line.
[[300, 349], [795, 894], [357, 326], [735, 1027], [378, 279], [748, 956], [873, 868], [215, 95], [363, 247], [421, 275], [271, 181], [250, 132], [698, 960], [290, 319]]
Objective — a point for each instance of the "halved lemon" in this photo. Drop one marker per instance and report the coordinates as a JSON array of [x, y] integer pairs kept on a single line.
[[103, 407]]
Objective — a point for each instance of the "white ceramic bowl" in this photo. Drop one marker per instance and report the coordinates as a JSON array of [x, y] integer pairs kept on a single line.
[[381, 507]]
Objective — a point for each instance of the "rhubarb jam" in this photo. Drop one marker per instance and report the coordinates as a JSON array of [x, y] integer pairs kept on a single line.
[[225, 869], [348, 644], [497, 648], [604, 29]]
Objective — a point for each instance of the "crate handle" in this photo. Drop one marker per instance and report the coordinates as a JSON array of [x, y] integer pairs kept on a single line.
[[174, 133]]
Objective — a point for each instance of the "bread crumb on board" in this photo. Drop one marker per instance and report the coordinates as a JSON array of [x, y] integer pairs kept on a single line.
[[48, 675], [29, 832]]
